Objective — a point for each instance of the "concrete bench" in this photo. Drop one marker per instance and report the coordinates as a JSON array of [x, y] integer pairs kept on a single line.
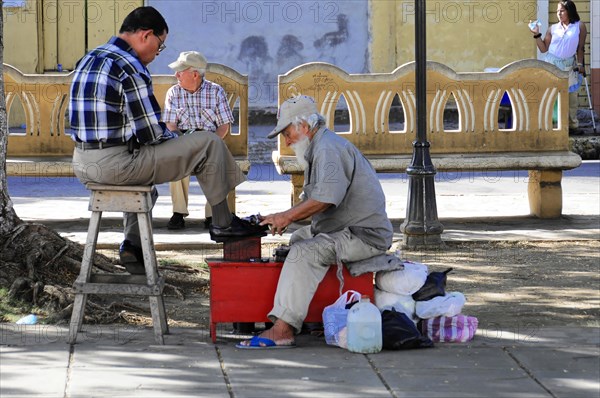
[[478, 142], [39, 146]]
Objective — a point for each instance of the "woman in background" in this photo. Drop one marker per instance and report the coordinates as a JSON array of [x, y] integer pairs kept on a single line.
[[563, 45]]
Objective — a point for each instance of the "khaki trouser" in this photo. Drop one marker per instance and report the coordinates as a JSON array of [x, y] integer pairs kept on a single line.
[[204, 155], [573, 105], [305, 267], [180, 193]]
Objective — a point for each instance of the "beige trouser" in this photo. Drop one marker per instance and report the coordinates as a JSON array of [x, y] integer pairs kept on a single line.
[[305, 267], [573, 105], [204, 155], [180, 193]]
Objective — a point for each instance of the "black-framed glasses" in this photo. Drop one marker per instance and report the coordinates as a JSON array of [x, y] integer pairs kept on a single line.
[[162, 45]]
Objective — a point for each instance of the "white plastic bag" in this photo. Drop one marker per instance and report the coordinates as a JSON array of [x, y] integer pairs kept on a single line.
[[401, 303], [335, 315], [449, 305], [403, 281]]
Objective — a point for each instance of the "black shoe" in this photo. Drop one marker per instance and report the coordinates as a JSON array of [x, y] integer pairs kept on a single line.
[[208, 221], [132, 258], [176, 221], [312, 328], [243, 327], [239, 228], [575, 131]]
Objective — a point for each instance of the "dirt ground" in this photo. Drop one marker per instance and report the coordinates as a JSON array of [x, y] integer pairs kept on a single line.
[[509, 286]]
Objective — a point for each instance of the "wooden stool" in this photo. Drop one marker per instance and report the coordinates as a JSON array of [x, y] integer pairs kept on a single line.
[[130, 199]]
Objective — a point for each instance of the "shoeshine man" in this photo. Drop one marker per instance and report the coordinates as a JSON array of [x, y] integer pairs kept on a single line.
[[349, 223], [120, 141], [193, 104]]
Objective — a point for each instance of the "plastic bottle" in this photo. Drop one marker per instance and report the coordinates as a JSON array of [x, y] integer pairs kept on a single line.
[[533, 24], [364, 327], [30, 319]]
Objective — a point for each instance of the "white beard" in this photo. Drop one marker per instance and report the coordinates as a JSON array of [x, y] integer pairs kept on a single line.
[[300, 149]]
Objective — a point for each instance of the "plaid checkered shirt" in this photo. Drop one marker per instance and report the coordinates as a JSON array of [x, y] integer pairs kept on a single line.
[[112, 98], [205, 109]]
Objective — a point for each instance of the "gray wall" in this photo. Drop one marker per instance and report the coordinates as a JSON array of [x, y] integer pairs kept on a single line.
[[267, 38]]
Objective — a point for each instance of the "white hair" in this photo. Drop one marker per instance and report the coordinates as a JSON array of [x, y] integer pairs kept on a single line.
[[202, 71], [314, 120]]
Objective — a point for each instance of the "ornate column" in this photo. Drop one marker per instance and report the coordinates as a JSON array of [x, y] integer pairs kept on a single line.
[[421, 226]]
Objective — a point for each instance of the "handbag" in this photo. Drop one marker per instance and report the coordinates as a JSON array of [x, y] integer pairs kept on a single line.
[[334, 318], [435, 285], [459, 328], [400, 333]]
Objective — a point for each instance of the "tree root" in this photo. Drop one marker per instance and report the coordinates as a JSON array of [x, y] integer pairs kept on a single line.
[[39, 267]]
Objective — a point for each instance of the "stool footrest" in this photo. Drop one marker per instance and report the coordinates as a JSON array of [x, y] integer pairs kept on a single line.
[[105, 285], [119, 278]]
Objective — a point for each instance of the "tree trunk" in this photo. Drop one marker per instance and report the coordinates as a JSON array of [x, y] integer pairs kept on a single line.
[[8, 218], [37, 265]]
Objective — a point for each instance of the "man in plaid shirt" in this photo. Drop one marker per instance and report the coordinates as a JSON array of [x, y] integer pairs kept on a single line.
[[120, 141], [193, 104]]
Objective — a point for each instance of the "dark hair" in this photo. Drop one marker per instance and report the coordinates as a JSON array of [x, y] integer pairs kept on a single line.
[[144, 18], [571, 10]]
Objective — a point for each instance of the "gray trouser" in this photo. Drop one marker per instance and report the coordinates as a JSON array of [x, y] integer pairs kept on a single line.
[[305, 267], [204, 155]]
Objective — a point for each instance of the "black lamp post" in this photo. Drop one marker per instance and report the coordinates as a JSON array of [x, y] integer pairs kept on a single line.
[[421, 226]]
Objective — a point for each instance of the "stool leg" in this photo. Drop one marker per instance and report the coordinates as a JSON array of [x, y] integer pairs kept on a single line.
[[157, 305], [84, 275], [157, 309]]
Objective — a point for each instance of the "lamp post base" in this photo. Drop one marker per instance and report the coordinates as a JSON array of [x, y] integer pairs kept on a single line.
[[421, 227], [422, 241]]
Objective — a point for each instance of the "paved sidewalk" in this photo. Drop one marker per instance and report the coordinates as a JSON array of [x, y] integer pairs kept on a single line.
[[471, 206], [117, 361], [123, 361]]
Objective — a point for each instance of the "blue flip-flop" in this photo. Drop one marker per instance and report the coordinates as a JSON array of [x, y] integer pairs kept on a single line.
[[261, 343]]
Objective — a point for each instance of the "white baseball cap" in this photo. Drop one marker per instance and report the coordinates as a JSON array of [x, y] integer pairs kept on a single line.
[[301, 105], [189, 59]]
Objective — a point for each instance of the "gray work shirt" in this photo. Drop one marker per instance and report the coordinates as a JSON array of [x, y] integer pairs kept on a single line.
[[338, 173]]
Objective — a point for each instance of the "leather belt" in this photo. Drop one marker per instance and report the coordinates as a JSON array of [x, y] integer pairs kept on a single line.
[[98, 145]]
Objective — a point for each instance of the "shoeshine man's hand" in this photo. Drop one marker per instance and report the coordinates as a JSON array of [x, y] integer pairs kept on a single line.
[[278, 222]]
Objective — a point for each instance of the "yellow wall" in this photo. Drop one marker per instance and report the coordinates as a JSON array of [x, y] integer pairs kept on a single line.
[[21, 37], [467, 36], [60, 35], [105, 18]]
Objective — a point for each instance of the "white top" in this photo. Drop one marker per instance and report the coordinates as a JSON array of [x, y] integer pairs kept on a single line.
[[564, 41]]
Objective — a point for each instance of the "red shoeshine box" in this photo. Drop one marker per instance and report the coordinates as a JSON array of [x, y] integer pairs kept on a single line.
[[244, 291]]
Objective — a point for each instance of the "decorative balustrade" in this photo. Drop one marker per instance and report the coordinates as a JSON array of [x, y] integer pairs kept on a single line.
[[532, 136], [45, 100], [532, 87]]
